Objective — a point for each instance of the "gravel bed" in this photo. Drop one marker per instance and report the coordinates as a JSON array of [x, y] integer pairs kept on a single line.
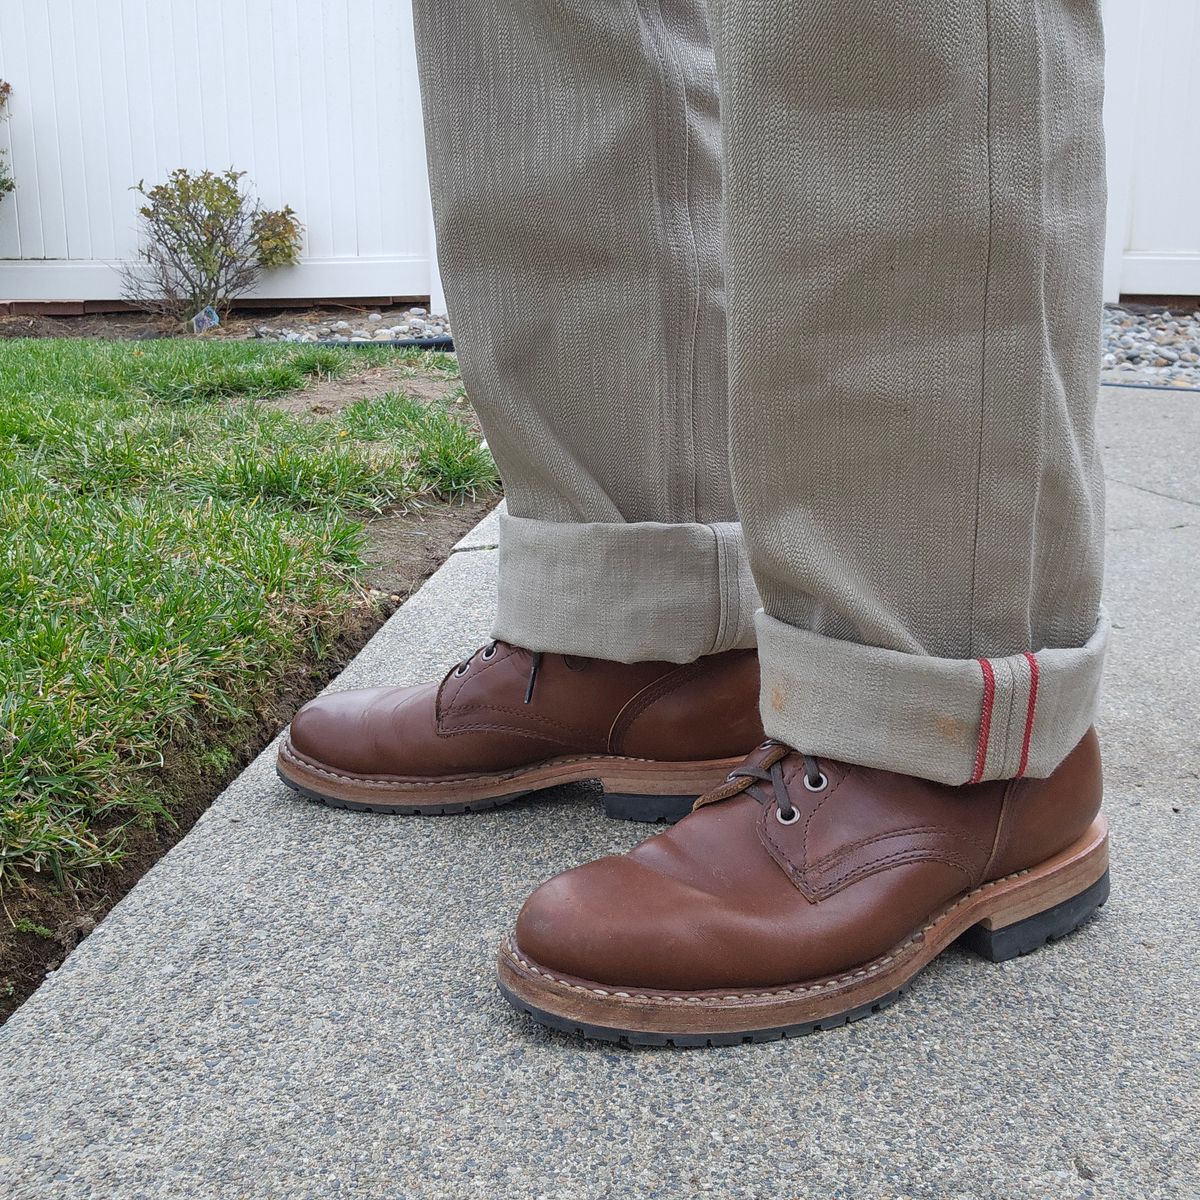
[[1141, 344], [369, 327], [1148, 345]]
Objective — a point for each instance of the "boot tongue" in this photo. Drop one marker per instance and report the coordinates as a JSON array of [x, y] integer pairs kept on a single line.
[[764, 757]]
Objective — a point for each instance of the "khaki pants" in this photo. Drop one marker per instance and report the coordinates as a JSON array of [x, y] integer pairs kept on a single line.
[[799, 300]]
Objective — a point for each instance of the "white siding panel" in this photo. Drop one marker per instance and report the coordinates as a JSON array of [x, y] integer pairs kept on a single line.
[[1153, 133], [10, 233], [77, 218], [1166, 192], [315, 99], [101, 102], [369, 92]]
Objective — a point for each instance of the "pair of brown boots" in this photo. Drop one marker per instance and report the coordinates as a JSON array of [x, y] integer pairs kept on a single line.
[[799, 894]]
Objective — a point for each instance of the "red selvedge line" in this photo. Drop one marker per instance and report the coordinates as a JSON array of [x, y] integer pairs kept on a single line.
[[1031, 659], [985, 718]]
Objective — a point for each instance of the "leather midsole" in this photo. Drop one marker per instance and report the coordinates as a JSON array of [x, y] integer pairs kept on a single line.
[[630, 775], [997, 904]]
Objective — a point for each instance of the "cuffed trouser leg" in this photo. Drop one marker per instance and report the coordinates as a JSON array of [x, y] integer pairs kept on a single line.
[[915, 203], [645, 590], [574, 156]]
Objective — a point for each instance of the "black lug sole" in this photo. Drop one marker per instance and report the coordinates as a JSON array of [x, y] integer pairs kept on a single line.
[[629, 806], [1023, 937]]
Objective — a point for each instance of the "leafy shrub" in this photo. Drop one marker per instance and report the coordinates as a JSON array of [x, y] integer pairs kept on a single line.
[[205, 242]]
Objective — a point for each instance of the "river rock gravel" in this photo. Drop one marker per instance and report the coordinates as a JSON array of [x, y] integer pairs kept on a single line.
[[354, 327], [1149, 345], [1142, 344]]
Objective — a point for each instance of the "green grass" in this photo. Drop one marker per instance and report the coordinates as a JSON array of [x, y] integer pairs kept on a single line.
[[169, 544]]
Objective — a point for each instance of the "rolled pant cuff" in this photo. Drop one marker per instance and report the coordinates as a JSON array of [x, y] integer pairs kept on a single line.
[[627, 592], [952, 720]]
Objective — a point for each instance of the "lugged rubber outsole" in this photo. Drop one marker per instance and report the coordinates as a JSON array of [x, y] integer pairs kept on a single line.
[[686, 1041]]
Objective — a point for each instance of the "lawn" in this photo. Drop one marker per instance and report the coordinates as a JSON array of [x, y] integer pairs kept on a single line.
[[172, 544]]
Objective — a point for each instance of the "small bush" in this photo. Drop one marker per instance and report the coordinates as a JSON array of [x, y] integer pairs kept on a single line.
[[205, 242], [7, 183]]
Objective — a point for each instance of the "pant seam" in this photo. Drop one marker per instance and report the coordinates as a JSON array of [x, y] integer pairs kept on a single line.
[[972, 640], [734, 581], [722, 606], [686, 396], [729, 594], [672, 80]]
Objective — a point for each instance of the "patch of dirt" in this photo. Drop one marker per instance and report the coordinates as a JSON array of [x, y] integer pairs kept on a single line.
[[406, 548], [134, 326], [42, 923], [328, 396]]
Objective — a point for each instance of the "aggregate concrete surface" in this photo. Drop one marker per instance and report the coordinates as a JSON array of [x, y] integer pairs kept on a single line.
[[298, 1002]]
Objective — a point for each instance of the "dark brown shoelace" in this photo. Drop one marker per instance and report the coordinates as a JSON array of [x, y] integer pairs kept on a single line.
[[772, 772]]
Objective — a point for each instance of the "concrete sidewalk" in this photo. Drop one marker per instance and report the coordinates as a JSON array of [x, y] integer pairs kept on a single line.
[[298, 1002]]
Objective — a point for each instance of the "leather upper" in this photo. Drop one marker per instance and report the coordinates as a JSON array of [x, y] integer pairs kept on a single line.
[[477, 720], [731, 897]]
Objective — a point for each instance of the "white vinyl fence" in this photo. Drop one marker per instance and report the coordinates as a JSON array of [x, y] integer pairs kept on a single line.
[[1152, 117], [317, 100]]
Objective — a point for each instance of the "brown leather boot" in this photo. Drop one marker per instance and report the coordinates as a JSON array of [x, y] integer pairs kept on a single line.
[[507, 722], [804, 894]]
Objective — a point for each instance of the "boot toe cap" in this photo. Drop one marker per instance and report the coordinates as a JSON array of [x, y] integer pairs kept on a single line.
[[611, 922], [342, 730]]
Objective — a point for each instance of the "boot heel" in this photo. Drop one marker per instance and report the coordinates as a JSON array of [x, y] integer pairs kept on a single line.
[[1022, 937], [630, 806]]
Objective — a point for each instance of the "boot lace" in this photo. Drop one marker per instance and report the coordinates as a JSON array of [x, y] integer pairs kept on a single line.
[[771, 773]]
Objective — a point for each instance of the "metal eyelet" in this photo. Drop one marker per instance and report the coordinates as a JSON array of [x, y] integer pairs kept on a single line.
[[787, 820], [821, 784], [490, 652], [461, 670]]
